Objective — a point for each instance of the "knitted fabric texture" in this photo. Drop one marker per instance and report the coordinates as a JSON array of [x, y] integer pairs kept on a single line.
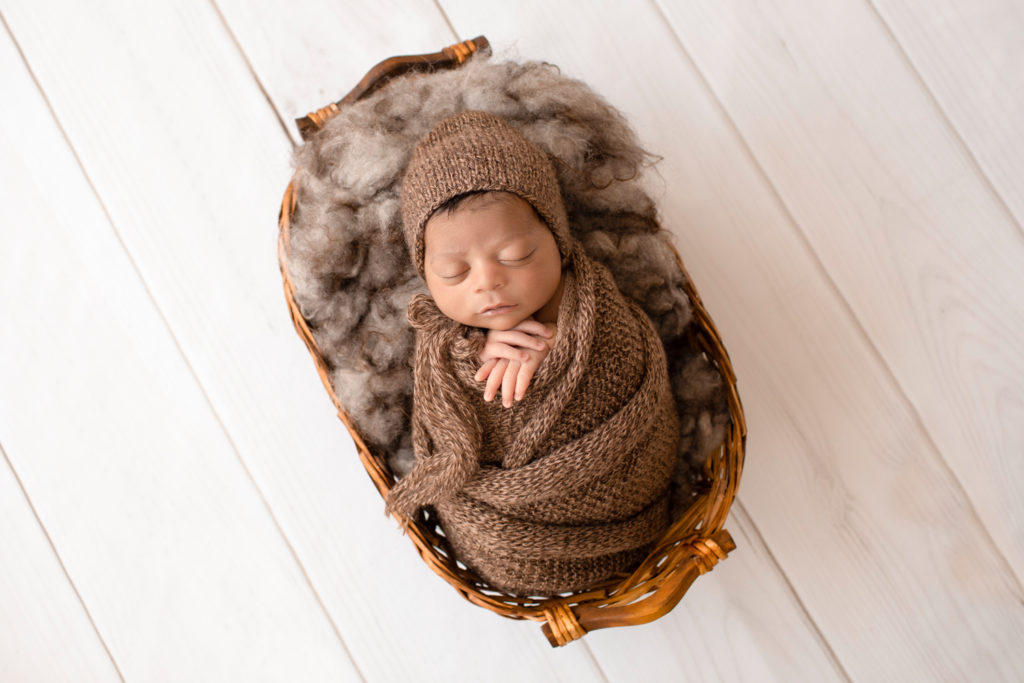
[[571, 484], [473, 151]]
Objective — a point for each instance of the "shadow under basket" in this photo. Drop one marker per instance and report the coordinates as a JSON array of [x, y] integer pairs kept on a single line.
[[692, 546]]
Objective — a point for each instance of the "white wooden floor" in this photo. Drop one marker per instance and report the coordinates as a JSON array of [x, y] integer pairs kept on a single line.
[[178, 502]]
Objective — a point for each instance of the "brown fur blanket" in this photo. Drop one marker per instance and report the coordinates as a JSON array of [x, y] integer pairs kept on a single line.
[[353, 277], [571, 484]]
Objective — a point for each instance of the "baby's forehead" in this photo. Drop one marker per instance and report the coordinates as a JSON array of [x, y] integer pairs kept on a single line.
[[441, 243], [489, 220]]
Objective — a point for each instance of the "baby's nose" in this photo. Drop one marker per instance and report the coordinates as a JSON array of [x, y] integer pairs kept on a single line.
[[489, 277]]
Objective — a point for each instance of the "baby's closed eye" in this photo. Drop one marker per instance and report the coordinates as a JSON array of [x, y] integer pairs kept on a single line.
[[455, 275], [516, 259]]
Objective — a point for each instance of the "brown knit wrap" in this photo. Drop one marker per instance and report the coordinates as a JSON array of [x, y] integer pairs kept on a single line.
[[571, 484], [475, 150]]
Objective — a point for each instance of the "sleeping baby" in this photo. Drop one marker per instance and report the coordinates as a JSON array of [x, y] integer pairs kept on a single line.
[[564, 482]]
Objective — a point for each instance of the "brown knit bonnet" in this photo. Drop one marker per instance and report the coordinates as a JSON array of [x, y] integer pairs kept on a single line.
[[475, 150]]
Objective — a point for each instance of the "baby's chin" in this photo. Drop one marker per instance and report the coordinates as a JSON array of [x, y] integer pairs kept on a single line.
[[497, 323], [501, 325]]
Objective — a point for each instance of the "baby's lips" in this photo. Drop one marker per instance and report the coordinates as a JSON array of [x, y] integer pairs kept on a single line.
[[497, 309]]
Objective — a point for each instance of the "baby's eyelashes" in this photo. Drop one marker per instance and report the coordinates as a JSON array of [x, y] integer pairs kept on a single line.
[[518, 259], [456, 276]]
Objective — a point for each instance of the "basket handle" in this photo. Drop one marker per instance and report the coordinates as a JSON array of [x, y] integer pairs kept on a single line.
[[393, 67], [565, 624]]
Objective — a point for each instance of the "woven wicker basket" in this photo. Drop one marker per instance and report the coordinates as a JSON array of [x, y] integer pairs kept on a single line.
[[693, 544]]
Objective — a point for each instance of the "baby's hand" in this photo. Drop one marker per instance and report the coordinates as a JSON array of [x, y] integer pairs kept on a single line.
[[511, 357]]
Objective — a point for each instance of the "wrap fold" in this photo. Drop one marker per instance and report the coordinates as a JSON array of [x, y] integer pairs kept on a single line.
[[569, 486]]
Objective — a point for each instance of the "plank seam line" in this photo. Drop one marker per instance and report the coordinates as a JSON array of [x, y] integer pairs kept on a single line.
[[444, 15], [17, 478], [756, 532], [252, 72], [49, 540], [185, 358], [974, 161], [985, 534], [595, 661]]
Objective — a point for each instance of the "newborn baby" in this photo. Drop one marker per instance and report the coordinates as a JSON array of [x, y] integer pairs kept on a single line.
[[565, 483]]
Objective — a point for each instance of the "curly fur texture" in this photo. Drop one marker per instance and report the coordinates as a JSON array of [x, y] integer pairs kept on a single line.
[[353, 275]]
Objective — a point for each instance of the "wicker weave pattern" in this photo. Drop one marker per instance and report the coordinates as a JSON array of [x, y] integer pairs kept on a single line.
[[693, 544]]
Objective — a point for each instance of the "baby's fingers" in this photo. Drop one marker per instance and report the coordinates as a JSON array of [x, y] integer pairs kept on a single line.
[[485, 370], [498, 350], [508, 384], [516, 337], [535, 328], [494, 381], [523, 380]]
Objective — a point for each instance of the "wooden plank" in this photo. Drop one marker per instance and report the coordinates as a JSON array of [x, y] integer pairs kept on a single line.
[[971, 57], [170, 546], [45, 632], [926, 257], [851, 496], [191, 163]]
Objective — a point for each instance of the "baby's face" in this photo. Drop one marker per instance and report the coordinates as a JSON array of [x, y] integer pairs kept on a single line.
[[492, 263]]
